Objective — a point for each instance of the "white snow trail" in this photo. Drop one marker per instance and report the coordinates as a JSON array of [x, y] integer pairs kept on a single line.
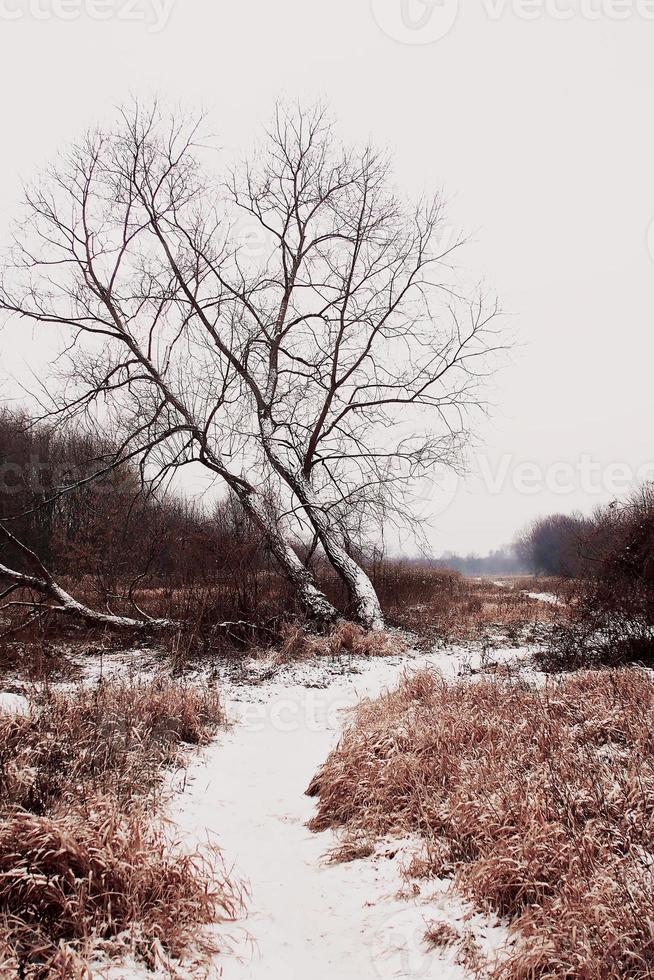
[[306, 918]]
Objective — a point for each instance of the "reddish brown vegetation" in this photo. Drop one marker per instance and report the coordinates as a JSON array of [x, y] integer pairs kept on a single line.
[[445, 606], [85, 860], [119, 548], [539, 802], [441, 934], [346, 638], [612, 604]]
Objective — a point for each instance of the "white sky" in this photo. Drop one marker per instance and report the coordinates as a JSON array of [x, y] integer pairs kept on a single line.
[[540, 131]]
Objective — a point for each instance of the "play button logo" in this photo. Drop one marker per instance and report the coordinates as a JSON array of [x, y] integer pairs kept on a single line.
[[415, 21]]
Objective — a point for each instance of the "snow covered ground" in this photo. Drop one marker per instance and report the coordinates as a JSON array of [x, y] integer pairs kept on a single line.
[[13, 704]]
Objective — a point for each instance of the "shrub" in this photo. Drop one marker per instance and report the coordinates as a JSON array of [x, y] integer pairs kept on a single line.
[[613, 609], [84, 877]]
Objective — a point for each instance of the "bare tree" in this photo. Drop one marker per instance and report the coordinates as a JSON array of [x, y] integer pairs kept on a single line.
[[89, 257], [364, 355], [330, 376]]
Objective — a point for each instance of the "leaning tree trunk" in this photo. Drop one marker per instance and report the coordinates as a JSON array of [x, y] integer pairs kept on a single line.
[[360, 589], [64, 603], [315, 603], [61, 601]]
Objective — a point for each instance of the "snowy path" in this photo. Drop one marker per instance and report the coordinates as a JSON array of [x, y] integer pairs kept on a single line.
[[307, 919]]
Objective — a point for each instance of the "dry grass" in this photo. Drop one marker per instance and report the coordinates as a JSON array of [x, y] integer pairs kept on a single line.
[[450, 608], [36, 661], [539, 803], [345, 639], [441, 935], [83, 877], [553, 584], [112, 738], [351, 849], [85, 858]]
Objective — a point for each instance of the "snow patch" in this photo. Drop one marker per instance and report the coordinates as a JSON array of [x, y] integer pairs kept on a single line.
[[543, 597], [13, 704]]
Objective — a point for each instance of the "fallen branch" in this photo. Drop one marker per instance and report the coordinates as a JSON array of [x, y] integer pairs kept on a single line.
[[64, 603]]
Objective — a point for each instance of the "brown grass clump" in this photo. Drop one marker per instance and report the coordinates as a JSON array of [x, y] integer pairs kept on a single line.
[[351, 849], [86, 862], [540, 803], [345, 639], [84, 877], [440, 935]]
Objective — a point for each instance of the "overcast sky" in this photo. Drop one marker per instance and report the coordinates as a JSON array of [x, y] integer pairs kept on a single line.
[[537, 122]]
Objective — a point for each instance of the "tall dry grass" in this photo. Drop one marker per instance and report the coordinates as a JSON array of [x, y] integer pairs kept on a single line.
[[112, 738], [540, 804], [86, 859]]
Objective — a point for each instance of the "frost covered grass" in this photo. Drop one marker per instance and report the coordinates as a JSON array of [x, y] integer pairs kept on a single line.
[[539, 803], [113, 738], [98, 877], [36, 661], [86, 860]]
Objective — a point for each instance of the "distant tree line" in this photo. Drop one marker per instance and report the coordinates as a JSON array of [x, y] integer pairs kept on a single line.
[[502, 561], [558, 544]]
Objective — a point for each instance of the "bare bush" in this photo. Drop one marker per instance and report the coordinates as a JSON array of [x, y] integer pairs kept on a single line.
[[612, 606], [119, 547], [441, 935]]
